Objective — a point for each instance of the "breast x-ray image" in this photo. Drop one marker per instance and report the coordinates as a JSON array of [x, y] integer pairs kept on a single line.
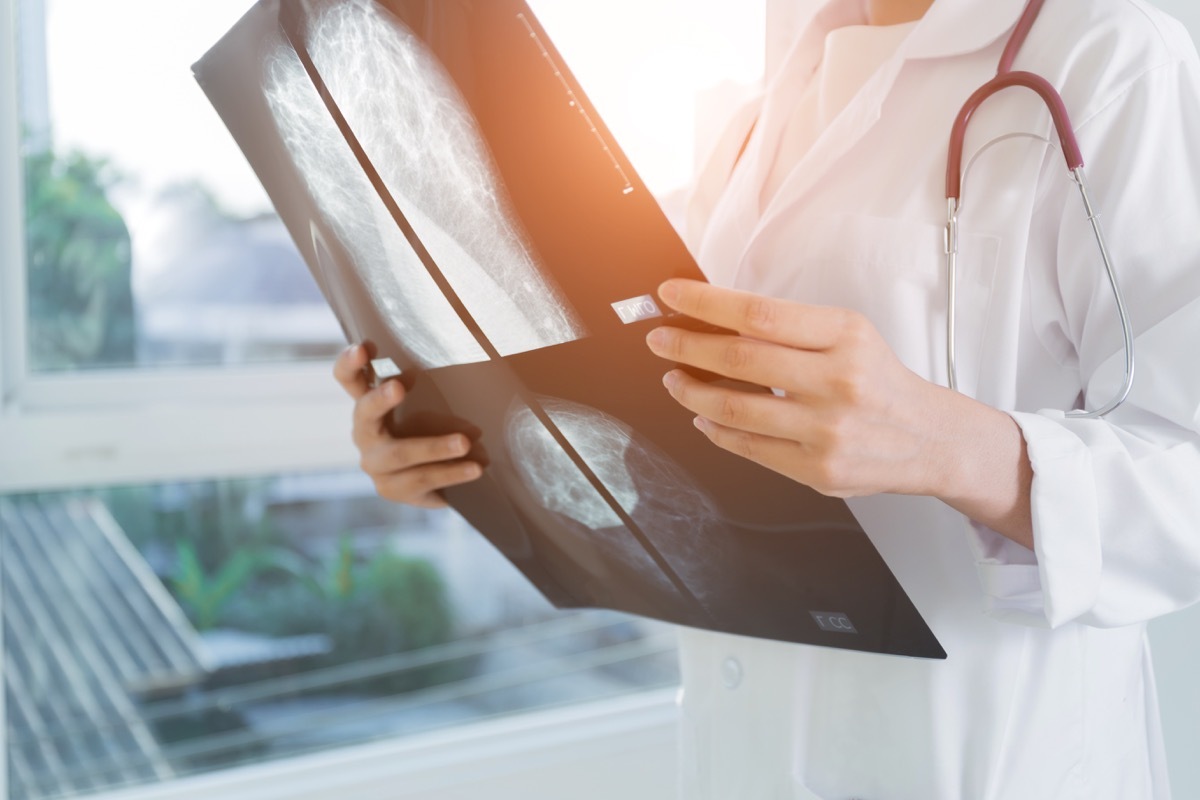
[[464, 208]]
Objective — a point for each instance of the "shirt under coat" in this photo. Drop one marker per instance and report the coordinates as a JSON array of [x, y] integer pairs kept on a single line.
[[1048, 688]]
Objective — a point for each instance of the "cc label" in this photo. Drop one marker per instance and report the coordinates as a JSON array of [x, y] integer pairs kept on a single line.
[[833, 622]]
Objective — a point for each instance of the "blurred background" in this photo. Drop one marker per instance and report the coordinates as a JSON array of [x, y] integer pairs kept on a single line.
[[200, 594]]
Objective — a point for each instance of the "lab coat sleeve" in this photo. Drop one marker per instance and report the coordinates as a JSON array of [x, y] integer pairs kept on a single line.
[[1116, 501]]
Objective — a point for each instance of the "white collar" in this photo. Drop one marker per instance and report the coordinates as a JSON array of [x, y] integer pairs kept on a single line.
[[957, 27], [949, 28]]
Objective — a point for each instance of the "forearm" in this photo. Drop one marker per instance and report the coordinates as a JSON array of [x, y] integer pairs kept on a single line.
[[978, 464]]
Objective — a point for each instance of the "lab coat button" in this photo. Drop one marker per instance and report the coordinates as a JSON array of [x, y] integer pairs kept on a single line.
[[731, 673]]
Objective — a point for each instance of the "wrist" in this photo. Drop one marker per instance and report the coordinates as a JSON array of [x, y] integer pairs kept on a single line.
[[978, 464]]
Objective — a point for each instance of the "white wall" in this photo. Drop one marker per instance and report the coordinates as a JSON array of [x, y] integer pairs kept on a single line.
[[1186, 11], [1176, 639]]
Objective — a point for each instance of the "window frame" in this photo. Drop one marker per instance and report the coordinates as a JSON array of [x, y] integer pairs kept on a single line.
[[111, 426], [11, 281], [12, 241]]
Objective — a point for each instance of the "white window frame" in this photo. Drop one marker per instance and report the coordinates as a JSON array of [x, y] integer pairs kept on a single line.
[[12, 245], [8, 286]]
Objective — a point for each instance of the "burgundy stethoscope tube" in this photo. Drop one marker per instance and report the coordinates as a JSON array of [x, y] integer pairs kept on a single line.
[[1006, 77], [1053, 101]]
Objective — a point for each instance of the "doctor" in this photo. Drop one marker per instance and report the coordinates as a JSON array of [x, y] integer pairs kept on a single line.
[[1035, 544]]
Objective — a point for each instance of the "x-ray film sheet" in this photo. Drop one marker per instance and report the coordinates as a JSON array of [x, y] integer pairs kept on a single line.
[[463, 208]]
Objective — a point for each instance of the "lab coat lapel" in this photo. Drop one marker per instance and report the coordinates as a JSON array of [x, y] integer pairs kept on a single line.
[[794, 74], [949, 28], [842, 134]]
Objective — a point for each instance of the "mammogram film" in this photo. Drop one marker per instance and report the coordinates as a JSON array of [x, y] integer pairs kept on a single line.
[[467, 212], [418, 132]]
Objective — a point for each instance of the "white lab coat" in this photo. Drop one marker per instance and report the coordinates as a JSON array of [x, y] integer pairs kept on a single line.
[[1048, 689]]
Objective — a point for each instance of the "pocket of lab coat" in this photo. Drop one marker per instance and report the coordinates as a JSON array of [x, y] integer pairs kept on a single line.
[[893, 271]]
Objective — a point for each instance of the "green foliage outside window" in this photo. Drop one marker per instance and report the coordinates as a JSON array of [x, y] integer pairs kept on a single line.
[[232, 565], [81, 311]]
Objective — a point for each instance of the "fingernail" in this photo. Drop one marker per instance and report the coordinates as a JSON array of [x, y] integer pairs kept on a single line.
[[458, 446], [702, 424], [471, 471], [669, 292], [658, 338], [392, 388], [671, 380]]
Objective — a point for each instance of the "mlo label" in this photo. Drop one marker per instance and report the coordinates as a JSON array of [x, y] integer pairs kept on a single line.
[[637, 308]]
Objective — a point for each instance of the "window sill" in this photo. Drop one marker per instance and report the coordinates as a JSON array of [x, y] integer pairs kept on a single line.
[[84, 435], [597, 751]]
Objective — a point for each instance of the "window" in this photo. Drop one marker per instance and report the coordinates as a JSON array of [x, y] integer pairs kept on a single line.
[[193, 575], [153, 632], [148, 240], [161, 309]]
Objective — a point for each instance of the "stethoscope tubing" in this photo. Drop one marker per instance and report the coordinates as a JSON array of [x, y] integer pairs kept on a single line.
[[1006, 78]]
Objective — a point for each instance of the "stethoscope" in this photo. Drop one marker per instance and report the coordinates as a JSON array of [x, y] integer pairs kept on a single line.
[[1006, 77]]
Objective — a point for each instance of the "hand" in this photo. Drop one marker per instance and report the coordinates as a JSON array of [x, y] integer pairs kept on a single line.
[[407, 470], [852, 419]]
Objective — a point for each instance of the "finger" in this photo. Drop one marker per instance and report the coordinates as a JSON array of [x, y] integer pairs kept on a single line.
[[788, 458], [349, 370], [371, 410], [796, 460], [419, 486], [740, 358], [764, 414], [395, 455], [807, 327]]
